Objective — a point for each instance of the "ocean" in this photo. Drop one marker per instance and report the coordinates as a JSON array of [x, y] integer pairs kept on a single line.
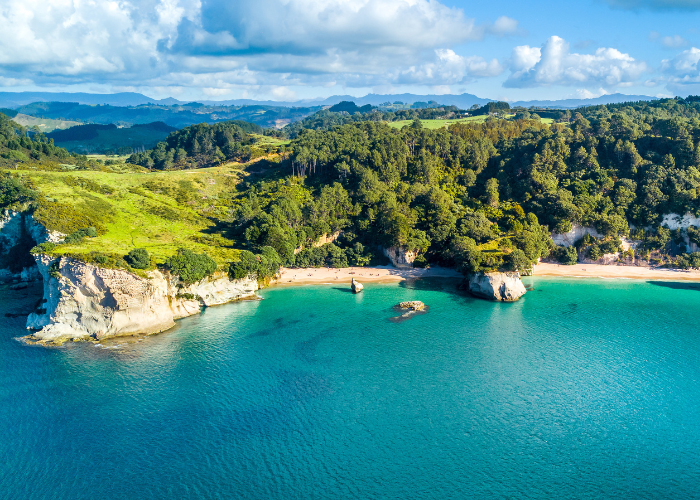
[[582, 389]]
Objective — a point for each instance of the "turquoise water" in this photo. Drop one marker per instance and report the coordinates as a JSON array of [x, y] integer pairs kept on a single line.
[[583, 389]]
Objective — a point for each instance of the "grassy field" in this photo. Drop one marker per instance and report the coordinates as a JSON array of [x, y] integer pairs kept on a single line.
[[436, 124], [46, 125], [158, 211]]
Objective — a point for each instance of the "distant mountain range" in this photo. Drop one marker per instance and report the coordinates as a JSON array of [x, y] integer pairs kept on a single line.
[[464, 101]]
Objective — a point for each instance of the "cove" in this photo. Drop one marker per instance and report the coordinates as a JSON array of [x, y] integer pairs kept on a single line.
[[582, 389]]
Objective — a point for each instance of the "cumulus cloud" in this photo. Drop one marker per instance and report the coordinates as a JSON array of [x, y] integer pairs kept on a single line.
[[683, 72], [217, 45], [450, 68], [554, 64]]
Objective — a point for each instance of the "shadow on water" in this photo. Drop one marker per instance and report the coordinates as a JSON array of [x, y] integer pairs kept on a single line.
[[346, 290], [432, 284], [676, 285]]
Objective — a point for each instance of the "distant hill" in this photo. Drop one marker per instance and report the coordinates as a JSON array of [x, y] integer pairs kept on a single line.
[[178, 116], [110, 139], [16, 99], [577, 103]]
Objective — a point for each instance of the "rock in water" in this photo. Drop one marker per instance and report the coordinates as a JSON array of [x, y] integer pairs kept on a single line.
[[413, 305], [356, 286], [505, 287]]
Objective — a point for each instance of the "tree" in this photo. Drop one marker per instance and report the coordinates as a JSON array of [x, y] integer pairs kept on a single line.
[[189, 266], [138, 258]]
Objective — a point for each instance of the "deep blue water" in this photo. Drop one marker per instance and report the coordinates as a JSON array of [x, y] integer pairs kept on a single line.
[[583, 389]]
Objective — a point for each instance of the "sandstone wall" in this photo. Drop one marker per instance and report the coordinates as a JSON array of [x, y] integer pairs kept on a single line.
[[82, 300]]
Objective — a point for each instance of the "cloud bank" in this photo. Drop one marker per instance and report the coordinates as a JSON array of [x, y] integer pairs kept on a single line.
[[555, 64]]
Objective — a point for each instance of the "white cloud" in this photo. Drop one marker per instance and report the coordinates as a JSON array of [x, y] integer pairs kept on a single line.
[[554, 64], [505, 25], [683, 72], [449, 68], [224, 44]]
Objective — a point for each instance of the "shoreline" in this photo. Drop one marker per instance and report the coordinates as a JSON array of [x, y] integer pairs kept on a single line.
[[388, 274], [379, 274], [546, 269]]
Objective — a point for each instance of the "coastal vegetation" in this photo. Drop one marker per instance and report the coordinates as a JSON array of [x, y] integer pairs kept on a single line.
[[482, 194]]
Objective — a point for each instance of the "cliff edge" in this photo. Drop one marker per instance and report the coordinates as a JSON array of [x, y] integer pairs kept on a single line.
[[85, 301], [503, 287]]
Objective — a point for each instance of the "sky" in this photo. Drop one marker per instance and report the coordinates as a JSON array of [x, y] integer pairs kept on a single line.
[[303, 49]]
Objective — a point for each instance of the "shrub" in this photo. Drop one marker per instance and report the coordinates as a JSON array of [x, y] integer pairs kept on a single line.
[[247, 265], [78, 236], [190, 266], [517, 261], [138, 258], [45, 247]]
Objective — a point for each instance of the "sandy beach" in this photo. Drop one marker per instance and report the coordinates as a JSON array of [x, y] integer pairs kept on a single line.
[[387, 274], [382, 274], [602, 271]]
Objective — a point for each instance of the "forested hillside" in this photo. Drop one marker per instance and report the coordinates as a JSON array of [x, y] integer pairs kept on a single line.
[[200, 146], [477, 195], [16, 145], [481, 195]]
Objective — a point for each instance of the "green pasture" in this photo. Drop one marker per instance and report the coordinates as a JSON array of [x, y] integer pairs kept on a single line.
[[157, 211]]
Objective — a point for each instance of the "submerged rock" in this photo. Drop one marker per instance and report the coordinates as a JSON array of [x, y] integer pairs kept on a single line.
[[504, 287], [356, 286], [408, 310]]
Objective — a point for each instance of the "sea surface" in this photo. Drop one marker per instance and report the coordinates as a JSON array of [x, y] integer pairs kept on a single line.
[[582, 389]]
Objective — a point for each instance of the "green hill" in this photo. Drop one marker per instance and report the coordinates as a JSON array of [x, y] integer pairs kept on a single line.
[[110, 139]]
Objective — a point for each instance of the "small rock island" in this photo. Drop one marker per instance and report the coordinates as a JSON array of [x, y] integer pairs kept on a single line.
[[356, 286], [413, 305]]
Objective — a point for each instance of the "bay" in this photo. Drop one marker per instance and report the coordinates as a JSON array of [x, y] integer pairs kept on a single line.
[[582, 389]]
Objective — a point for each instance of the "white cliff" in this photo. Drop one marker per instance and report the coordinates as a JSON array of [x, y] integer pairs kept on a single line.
[[504, 287], [400, 257], [82, 300], [15, 228]]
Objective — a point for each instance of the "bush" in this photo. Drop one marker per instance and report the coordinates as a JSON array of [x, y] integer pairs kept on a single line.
[[247, 265], [45, 247], [190, 266], [567, 255], [517, 261], [78, 236], [138, 258]]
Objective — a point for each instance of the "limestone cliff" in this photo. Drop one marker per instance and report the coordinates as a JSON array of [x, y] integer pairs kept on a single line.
[[82, 300], [18, 233], [505, 287], [400, 257]]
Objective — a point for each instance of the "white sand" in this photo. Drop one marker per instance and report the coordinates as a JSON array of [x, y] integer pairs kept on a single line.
[[362, 274], [614, 271]]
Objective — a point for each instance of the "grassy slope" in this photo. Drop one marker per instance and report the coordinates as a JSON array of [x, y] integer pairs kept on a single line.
[[46, 125], [157, 211], [435, 124]]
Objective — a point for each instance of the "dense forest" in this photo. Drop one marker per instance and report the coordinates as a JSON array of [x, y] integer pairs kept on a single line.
[[199, 146], [484, 196], [477, 196], [17, 145]]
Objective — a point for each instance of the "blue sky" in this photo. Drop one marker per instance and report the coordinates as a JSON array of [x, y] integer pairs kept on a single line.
[[296, 49]]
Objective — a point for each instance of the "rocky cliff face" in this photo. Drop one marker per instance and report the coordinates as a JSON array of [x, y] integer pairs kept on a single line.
[[400, 257], [82, 300], [18, 233], [505, 287]]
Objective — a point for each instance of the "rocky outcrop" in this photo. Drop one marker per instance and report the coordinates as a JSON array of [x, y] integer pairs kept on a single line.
[[82, 300], [576, 233], [412, 305], [322, 240], [356, 286], [504, 287], [19, 231], [400, 257]]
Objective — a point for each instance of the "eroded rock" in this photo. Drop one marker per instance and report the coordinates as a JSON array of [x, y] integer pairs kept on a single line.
[[504, 287]]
